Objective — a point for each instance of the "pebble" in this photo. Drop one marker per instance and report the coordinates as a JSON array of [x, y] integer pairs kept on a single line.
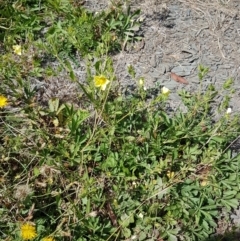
[[153, 61], [182, 70], [155, 73], [194, 80]]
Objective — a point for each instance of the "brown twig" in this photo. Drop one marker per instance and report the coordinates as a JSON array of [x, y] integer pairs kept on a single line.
[[178, 78]]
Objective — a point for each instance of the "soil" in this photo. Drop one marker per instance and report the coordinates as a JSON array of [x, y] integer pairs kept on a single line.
[[178, 35]]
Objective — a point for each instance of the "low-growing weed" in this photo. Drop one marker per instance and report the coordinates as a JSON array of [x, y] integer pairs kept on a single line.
[[116, 166]]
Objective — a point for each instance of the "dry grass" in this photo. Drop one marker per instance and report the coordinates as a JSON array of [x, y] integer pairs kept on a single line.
[[225, 6]]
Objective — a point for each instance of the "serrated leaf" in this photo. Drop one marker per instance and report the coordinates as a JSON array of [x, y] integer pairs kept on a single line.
[[229, 193], [233, 203], [229, 204]]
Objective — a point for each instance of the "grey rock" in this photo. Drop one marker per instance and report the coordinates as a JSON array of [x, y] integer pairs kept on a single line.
[[214, 68], [236, 217], [194, 80], [155, 74], [192, 59], [145, 70], [153, 61], [226, 66], [190, 51], [182, 70]]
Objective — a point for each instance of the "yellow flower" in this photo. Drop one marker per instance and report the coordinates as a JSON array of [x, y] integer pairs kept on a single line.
[[170, 175], [165, 91], [204, 183], [141, 82], [48, 239], [17, 49], [3, 101], [28, 231], [101, 81]]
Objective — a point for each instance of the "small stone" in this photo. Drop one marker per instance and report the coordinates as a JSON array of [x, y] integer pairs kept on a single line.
[[194, 80], [192, 59], [153, 61], [162, 69], [226, 66], [182, 70], [155, 74]]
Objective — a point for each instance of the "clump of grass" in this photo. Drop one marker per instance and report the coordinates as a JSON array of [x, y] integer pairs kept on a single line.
[[118, 167]]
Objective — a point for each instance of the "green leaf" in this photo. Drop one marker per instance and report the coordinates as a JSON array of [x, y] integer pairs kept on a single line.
[[180, 133], [136, 27], [72, 75], [126, 232], [229, 204], [218, 139], [110, 162], [228, 83], [238, 196], [205, 225], [53, 104], [230, 194], [166, 119], [142, 236], [36, 172], [210, 207], [172, 237], [130, 138], [234, 203]]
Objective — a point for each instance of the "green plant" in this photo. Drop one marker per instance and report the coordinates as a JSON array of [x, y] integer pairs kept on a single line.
[[115, 167]]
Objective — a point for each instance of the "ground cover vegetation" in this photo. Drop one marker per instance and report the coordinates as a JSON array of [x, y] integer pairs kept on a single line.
[[118, 167]]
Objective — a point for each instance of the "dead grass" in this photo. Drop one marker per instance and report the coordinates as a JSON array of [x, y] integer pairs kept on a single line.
[[225, 6]]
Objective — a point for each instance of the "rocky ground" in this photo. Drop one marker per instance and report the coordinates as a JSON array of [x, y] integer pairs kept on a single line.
[[178, 35]]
